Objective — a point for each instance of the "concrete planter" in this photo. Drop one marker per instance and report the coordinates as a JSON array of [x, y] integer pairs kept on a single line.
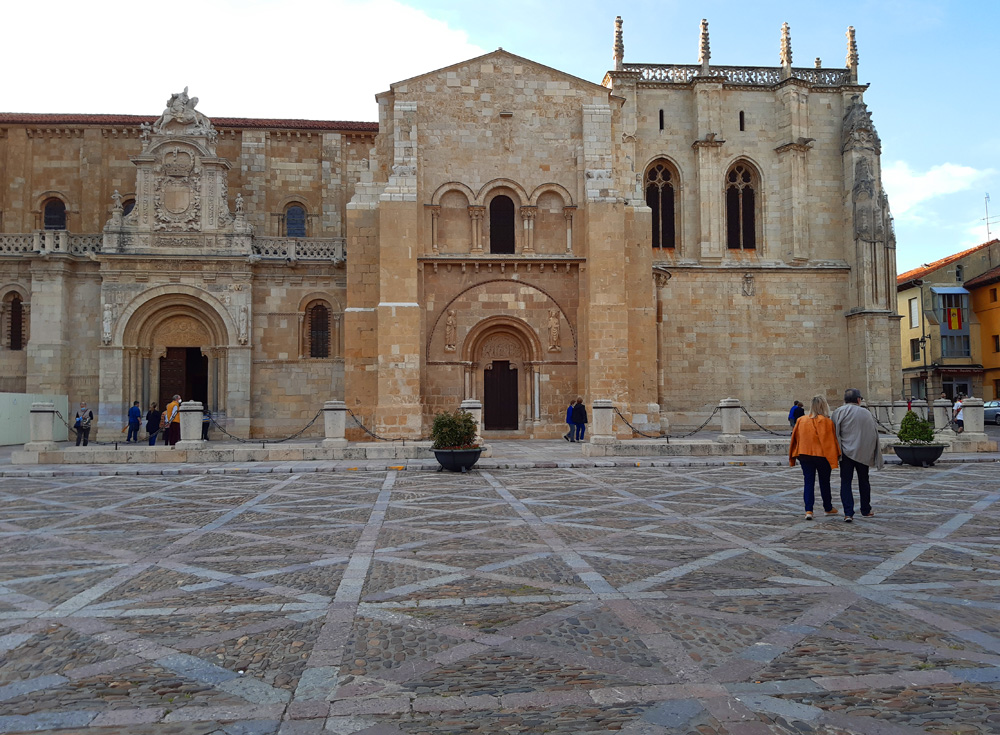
[[457, 460], [919, 455]]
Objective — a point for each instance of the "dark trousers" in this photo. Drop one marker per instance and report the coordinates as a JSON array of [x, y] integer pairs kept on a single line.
[[811, 468], [581, 429], [204, 430], [152, 437], [174, 433], [847, 469], [133, 431], [82, 435]]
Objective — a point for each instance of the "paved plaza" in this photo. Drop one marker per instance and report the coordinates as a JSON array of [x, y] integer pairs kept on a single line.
[[562, 600]]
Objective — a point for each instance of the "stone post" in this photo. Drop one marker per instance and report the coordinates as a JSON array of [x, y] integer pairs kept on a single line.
[[41, 427], [334, 423], [191, 413], [920, 408], [942, 415], [898, 412], [471, 405], [972, 415], [603, 429], [731, 414]]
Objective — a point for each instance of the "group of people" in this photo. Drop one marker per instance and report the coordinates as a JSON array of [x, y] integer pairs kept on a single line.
[[576, 418], [822, 441], [166, 423]]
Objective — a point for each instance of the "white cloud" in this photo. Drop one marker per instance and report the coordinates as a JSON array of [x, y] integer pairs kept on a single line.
[[908, 188], [315, 59]]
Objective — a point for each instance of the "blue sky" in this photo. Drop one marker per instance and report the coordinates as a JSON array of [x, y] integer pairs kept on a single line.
[[931, 66]]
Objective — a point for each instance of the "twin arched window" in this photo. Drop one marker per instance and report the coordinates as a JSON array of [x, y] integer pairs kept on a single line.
[[54, 214], [660, 198], [741, 207]]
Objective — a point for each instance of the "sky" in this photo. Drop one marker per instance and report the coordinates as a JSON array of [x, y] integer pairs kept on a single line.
[[931, 67]]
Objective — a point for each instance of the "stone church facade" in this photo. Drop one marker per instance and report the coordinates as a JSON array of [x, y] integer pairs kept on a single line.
[[507, 232]]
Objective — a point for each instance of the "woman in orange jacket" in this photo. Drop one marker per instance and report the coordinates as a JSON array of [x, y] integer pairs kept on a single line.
[[814, 444]]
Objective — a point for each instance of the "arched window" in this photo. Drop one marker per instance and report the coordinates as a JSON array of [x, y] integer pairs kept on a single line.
[[295, 221], [14, 316], [502, 225], [318, 316], [55, 214], [741, 207], [660, 182], [127, 206]]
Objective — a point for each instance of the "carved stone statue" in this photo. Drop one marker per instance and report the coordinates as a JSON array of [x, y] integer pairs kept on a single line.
[[242, 324], [180, 112], [554, 331], [450, 332], [239, 205], [749, 286], [109, 318]]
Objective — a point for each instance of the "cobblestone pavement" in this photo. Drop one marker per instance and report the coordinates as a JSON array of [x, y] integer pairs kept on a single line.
[[636, 600]]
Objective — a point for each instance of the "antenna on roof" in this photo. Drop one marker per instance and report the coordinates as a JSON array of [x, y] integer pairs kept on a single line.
[[987, 219]]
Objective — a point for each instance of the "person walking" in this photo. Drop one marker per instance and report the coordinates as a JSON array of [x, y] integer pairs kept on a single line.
[[153, 420], [580, 419], [82, 424], [206, 422], [814, 445], [797, 412], [958, 414], [134, 420], [172, 421], [857, 434], [571, 434]]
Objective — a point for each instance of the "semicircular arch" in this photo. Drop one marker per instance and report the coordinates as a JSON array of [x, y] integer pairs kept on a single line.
[[515, 187], [554, 188], [141, 318], [452, 186], [513, 326]]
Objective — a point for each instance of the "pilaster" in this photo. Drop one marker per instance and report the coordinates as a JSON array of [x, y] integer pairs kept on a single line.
[[708, 145]]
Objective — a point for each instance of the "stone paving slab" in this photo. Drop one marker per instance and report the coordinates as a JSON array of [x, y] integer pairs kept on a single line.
[[650, 599]]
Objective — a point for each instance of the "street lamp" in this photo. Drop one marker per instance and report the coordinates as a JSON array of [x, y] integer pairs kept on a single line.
[[924, 339]]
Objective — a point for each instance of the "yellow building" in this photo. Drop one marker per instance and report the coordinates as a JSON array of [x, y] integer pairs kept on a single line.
[[984, 291], [940, 331]]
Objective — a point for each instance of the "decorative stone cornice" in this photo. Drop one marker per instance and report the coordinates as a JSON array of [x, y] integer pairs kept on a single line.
[[709, 141], [802, 145]]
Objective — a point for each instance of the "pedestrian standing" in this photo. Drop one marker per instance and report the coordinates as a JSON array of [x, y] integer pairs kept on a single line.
[[797, 412], [814, 445], [153, 420], [84, 420], [857, 435], [172, 421], [580, 419], [206, 421], [958, 414], [570, 435], [134, 420]]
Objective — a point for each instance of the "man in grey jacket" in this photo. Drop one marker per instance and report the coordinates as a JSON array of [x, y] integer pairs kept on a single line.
[[857, 434]]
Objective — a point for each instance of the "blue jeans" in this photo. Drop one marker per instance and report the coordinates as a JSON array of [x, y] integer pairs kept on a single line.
[[812, 466], [847, 469], [133, 431], [581, 429], [152, 438]]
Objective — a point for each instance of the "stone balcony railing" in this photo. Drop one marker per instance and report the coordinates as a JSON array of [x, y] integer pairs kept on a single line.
[[293, 248], [284, 249], [758, 76]]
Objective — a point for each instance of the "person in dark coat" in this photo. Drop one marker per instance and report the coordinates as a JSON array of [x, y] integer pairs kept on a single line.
[[797, 412], [580, 419], [569, 435], [153, 418]]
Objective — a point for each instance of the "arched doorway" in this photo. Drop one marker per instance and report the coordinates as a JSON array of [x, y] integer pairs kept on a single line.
[[502, 354]]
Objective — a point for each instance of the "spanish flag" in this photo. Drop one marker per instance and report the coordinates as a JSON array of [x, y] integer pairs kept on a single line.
[[954, 318]]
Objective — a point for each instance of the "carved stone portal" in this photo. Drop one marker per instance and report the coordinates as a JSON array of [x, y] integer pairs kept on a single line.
[[182, 331], [501, 347]]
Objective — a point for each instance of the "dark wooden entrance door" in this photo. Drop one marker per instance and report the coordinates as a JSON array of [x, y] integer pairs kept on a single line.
[[500, 397], [184, 372]]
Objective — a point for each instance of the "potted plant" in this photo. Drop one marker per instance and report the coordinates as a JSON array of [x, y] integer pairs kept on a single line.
[[916, 442], [454, 436]]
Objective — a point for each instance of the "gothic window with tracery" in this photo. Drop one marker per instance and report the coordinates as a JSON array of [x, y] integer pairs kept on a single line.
[[502, 225], [54, 211], [741, 207], [295, 221], [13, 316], [318, 318], [661, 198]]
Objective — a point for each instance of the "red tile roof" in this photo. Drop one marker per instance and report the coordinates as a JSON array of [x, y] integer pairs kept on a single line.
[[927, 268], [983, 279], [29, 118]]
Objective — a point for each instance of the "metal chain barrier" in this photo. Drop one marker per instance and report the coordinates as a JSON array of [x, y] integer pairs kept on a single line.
[[762, 428], [375, 436], [636, 431], [89, 441], [691, 433], [241, 440]]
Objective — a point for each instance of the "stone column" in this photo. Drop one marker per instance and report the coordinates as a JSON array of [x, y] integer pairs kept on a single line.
[[41, 426], [334, 423], [478, 213], [474, 407], [942, 415], [191, 413], [528, 219], [568, 216], [603, 429], [435, 210], [731, 413]]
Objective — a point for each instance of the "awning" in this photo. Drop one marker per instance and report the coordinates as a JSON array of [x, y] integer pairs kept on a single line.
[[948, 289]]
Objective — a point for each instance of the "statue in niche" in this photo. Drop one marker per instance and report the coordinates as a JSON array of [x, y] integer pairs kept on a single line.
[[749, 287], [450, 332], [554, 329], [242, 324], [107, 321], [239, 205]]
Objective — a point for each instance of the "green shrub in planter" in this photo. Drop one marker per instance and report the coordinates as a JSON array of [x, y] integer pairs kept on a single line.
[[454, 430], [914, 430]]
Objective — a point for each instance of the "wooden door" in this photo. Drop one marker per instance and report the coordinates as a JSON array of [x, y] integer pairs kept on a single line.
[[500, 397], [173, 372]]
